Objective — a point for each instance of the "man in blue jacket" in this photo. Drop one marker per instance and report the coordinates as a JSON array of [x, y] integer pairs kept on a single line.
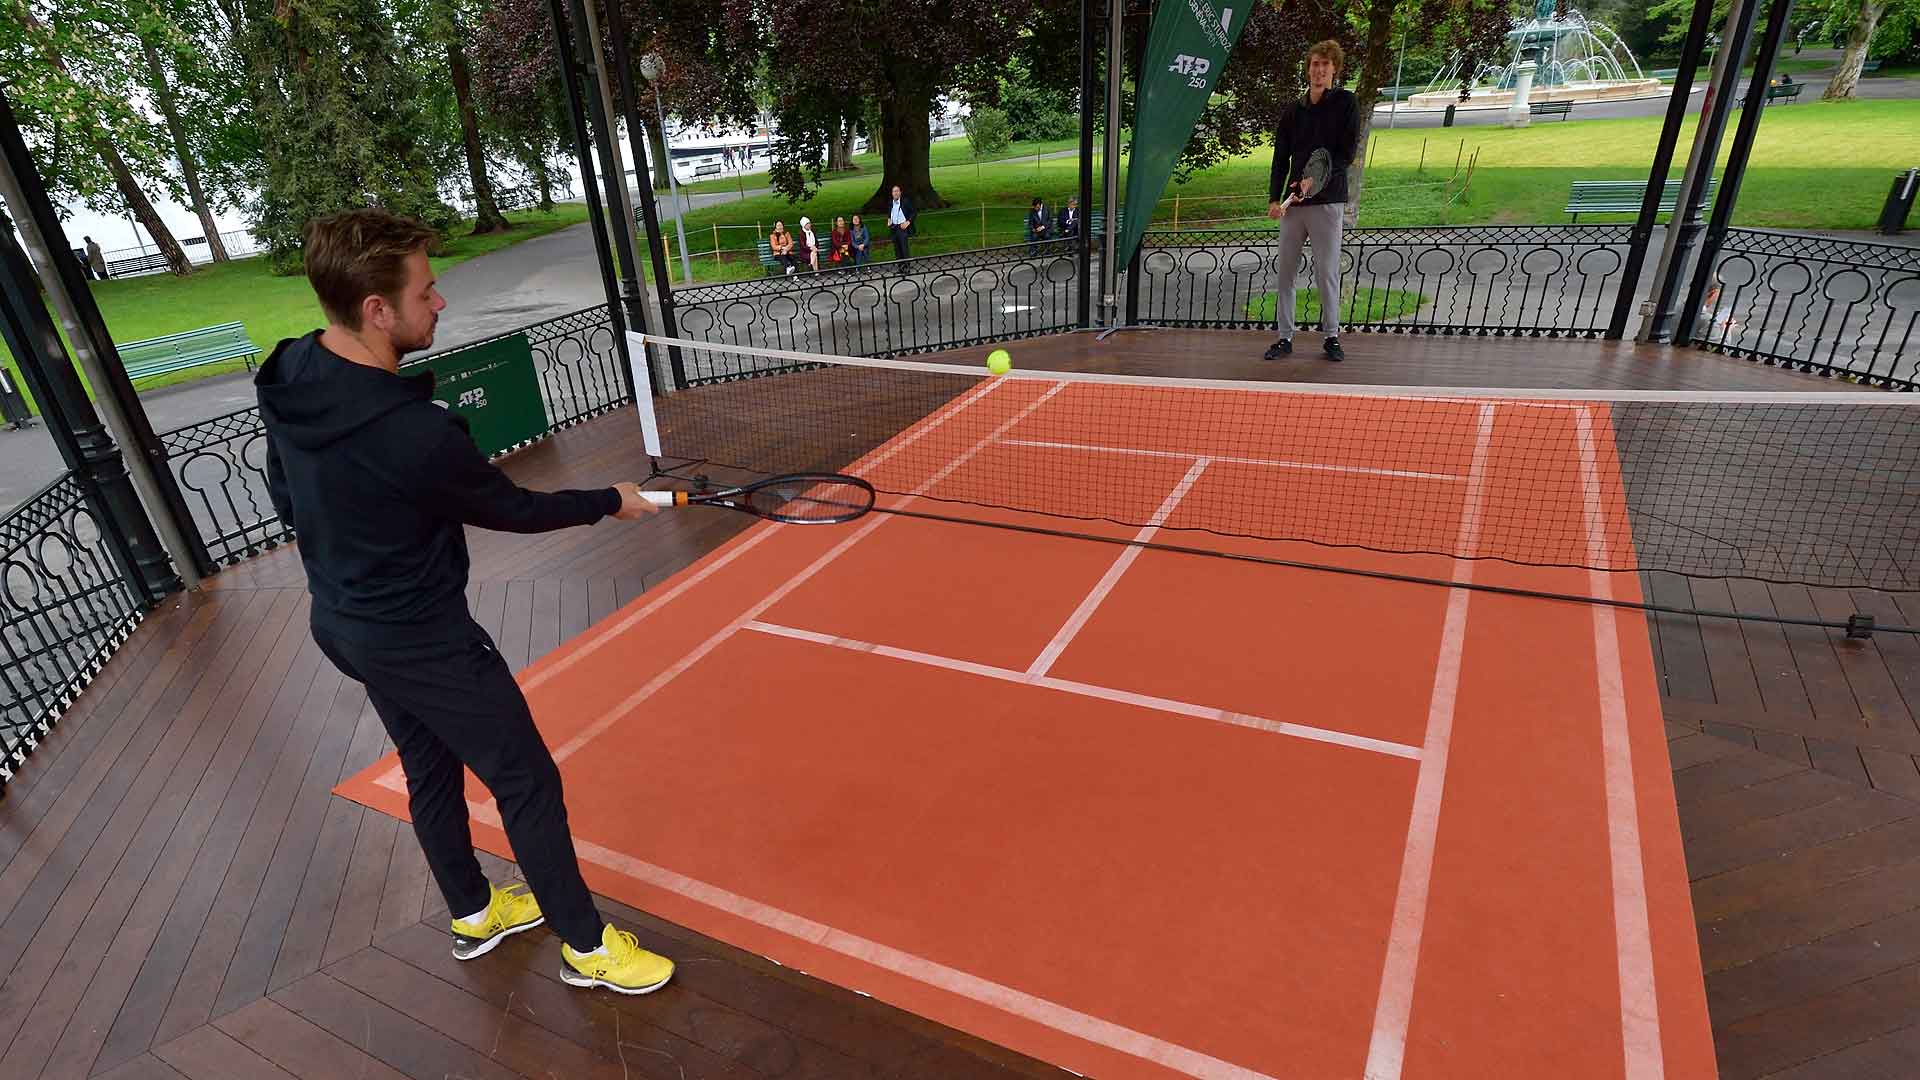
[[1325, 118], [379, 484]]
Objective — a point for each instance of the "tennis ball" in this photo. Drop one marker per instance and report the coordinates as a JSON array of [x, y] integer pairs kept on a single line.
[[999, 362]]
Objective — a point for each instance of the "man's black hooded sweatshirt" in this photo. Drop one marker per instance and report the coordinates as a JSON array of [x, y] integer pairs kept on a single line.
[[378, 482]]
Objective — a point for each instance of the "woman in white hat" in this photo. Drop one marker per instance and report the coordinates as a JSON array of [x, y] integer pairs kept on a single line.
[[811, 256]]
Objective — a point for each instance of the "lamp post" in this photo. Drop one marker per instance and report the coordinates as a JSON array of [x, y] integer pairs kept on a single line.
[[652, 67]]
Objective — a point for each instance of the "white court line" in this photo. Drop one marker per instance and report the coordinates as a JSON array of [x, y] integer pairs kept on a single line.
[[1639, 1002], [1111, 578], [1407, 474], [1013, 1002], [1105, 693], [634, 700], [1386, 1054]]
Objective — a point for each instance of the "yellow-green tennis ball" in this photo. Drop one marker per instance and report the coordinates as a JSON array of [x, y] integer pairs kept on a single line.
[[999, 362]]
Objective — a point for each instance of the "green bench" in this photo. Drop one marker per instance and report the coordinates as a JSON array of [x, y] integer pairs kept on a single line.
[[179, 352], [1563, 109], [1624, 196], [1778, 93], [1870, 67]]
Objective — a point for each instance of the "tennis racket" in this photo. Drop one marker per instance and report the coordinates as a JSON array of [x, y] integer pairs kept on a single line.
[[1319, 165], [799, 499]]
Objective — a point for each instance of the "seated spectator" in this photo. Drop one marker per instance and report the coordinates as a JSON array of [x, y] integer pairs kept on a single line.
[[1037, 224], [840, 243], [862, 242], [1069, 223], [781, 242], [806, 246]]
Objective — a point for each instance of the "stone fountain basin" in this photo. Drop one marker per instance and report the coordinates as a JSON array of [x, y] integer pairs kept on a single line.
[[1611, 90]]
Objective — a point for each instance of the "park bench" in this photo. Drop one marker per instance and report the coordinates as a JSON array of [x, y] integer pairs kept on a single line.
[[1563, 109], [1623, 196], [178, 352], [139, 264], [1870, 67], [1778, 93]]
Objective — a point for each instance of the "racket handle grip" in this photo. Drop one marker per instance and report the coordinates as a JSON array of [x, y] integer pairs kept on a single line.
[[658, 498]]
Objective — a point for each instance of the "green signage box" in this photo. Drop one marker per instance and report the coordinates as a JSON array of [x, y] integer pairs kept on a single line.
[[494, 386]]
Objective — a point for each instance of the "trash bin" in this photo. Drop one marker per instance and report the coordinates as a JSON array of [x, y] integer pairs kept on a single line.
[[13, 406], [1447, 121], [1893, 216]]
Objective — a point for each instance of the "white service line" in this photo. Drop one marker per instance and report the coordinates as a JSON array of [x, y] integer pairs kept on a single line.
[[1639, 1000], [633, 701], [1105, 693], [1310, 466], [1386, 1054], [1092, 1029], [1093, 600]]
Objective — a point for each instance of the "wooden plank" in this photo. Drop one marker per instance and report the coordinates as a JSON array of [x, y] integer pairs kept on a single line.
[[1785, 1037], [358, 909], [1885, 1057], [405, 892], [1892, 771], [1811, 970], [1699, 749], [1857, 901], [1874, 691], [1726, 774], [1683, 654], [516, 625], [233, 785], [575, 608], [1900, 652], [1771, 839], [1774, 672], [1807, 870], [298, 1047], [384, 1034], [144, 1067], [1839, 758], [1759, 802], [601, 599], [1725, 645], [207, 1053], [1828, 693]]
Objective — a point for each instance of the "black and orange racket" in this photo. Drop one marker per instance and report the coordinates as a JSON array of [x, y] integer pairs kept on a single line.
[[797, 499]]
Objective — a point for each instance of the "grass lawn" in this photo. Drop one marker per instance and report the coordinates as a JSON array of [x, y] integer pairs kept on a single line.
[[1361, 305], [271, 307], [1521, 176]]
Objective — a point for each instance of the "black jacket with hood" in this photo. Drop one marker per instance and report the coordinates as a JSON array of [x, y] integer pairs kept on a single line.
[[378, 483]]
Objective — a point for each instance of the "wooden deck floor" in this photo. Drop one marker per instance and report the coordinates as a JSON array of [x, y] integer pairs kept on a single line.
[[180, 895]]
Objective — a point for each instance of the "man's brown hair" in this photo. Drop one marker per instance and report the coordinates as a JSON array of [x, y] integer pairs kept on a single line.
[[355, 254], [1332, 51]]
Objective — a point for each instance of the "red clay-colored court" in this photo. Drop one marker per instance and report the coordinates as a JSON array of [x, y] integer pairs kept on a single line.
[[1144, 813]]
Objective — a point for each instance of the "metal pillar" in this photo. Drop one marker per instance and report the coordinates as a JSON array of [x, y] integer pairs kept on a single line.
[[1109, 274], [663, 288], [1690, 51], [570, 72], [1685, 225], [1737, 156], [1083, 317]]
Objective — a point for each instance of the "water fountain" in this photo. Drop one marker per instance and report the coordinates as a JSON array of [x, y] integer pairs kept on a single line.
[[1576, 60]]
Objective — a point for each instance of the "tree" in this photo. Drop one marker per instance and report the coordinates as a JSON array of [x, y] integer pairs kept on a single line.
[[348, 127], [928, 48], [78, 108], [156, 30], [445, 23], [1872, 27], [516, 83]]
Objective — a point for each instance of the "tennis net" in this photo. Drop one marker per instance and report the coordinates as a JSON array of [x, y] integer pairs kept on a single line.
[[1806, 488]]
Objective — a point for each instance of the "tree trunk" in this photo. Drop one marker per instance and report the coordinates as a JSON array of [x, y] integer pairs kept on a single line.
[[542, 178], [137, 200], [1366, 87], [906, 143], [487, 216], [837, 154], [1853, 60], [163, 90], [657, 150]]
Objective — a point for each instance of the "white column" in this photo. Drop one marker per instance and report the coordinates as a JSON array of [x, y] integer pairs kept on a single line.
[[1517, 114]]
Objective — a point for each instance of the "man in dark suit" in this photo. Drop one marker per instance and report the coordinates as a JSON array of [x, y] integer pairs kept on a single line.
[[900, 224], [1037, 224], [1069, 223]]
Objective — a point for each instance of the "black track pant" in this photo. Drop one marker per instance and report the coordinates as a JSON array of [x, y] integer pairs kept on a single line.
[[452, 702]]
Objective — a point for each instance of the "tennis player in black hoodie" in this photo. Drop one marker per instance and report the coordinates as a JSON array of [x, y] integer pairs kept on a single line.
[[379, 484]]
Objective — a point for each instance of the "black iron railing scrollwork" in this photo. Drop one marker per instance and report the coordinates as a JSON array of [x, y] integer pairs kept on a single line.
[[1820, 304], [1534, 280], [221, 463], [65, 606], [883, 309]]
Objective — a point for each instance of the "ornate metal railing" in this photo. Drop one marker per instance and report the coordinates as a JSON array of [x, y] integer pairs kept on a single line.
[[1818, 304], [64, 607], [221, 463], [884, 309], [1538, 280]]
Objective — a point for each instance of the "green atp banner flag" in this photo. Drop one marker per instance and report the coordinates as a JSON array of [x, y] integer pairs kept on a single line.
[[1186, 52], [494, 387]]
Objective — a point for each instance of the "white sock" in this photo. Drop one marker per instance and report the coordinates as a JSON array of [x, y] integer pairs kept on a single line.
[[478, 915]]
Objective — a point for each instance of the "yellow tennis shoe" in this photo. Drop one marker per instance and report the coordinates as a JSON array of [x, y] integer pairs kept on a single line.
[[509, 911], [619, 964]]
